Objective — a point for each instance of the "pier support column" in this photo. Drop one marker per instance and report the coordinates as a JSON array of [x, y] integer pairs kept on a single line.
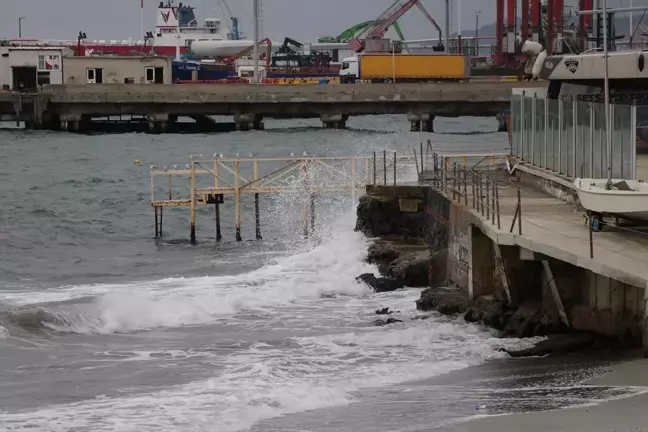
[[421, 122], [334, 121], [249, 121], [79, 123], [160, 123]]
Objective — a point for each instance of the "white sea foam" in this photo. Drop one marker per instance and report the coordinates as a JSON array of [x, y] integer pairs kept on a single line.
[[266, 381], [327, 269]]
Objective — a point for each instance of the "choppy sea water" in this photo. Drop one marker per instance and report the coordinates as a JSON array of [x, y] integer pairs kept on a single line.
[[104, 328]]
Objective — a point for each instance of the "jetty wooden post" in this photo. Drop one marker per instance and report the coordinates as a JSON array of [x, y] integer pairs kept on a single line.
[[366, 171], [312, 212], [219, 237], [257, 214], [385, 167], [155, 212], [192, 216], [394, 168], [374, 171], [237, 201], [422, 169]]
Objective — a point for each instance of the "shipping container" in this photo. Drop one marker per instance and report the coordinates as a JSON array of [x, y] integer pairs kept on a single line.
[[406, 68]]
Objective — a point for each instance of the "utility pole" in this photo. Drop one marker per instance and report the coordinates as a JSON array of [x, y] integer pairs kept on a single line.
[[20, 19], [477, 13], [256, 41]]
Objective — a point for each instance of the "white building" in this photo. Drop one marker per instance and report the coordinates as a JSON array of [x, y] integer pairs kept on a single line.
[[25, 68]]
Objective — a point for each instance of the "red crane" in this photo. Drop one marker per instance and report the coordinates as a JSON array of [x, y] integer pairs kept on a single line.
[[387, 19]]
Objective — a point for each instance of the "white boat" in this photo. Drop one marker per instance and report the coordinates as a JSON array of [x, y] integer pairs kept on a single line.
[[624, 198]]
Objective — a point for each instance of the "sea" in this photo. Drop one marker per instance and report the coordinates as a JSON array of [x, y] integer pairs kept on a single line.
[[104, 327]]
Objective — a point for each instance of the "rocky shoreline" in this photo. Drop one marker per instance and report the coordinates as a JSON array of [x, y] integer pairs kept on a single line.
[[405, 259]]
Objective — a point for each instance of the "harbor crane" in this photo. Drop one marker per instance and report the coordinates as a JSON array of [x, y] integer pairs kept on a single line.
[[387, 19]]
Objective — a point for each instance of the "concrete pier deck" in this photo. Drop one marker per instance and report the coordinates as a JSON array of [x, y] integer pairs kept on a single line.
[[555, 228], [249, 104]]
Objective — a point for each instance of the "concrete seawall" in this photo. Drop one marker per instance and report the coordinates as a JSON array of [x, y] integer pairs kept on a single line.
[[535, 283]]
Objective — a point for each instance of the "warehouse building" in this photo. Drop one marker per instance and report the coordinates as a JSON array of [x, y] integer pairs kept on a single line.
[[27, 68], [117, 70]]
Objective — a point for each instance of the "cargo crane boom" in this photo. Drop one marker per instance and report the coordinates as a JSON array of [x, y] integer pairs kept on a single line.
[[387, 19]]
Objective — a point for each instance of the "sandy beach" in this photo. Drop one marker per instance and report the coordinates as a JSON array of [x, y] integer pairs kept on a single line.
[[627, 414]]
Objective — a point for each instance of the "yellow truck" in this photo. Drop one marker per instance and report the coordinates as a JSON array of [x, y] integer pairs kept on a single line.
[[389, 67]]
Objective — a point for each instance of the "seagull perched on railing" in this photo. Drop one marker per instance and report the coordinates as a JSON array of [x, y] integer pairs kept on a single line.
[[175, 166], [152, 167], [166, 167], [292, 154], [188, 166], [305, 154], [216, 155], [238, 155], [251, 155]]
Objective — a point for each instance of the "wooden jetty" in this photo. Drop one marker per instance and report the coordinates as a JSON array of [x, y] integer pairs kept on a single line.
[[210, 180]]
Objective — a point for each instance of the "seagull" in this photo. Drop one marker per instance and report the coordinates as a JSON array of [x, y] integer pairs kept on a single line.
[[216, 155], [188, 166], [292, 154], [175, 166], [305, 154], [251, 155], [220, 155], [238, 155], [153, 167], [166, 167], [192, 156]]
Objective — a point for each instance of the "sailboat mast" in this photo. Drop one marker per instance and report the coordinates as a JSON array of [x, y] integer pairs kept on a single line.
[[606, 93]]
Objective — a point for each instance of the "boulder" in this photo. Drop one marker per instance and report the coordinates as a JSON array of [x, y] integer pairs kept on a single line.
[[381, 216], [384, 311], [524, 321], [382, 254], [387, 321], [380, 284], [556, 344], [411, 269], [445, 300]]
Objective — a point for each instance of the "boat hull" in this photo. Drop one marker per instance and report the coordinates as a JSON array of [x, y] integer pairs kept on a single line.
[[629, 204]]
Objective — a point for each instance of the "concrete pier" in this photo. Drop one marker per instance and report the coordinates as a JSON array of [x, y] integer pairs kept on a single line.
[[518, 240], [249, 104]]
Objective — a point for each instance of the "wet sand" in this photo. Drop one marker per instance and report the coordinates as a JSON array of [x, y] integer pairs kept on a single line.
[[621, 415]]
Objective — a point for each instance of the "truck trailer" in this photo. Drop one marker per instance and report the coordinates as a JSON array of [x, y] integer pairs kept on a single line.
[[381, 68]]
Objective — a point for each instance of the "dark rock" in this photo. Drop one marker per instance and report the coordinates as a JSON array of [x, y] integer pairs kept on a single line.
[[524, 321], [382, 255], [488, 312], [556, 344], [379, 216], [384, 311], [380, 284], [411, 269], [387, 321], [447, 301]]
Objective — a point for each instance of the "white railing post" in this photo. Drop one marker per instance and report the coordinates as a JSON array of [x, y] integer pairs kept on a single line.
[[561, 112], [591, 140], [633, 141], [574, 135], [546, 132], [533, 127]]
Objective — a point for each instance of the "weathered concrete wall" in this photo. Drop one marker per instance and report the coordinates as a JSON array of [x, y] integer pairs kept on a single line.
[[115, 69], [477, 99]]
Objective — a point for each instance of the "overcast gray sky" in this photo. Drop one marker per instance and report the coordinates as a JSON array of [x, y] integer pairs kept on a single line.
[[300, 19]]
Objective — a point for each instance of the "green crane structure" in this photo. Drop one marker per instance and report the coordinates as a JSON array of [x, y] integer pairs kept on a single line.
[[349, 33]]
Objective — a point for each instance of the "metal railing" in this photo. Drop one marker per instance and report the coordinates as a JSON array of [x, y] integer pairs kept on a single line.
[[569, 138]]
